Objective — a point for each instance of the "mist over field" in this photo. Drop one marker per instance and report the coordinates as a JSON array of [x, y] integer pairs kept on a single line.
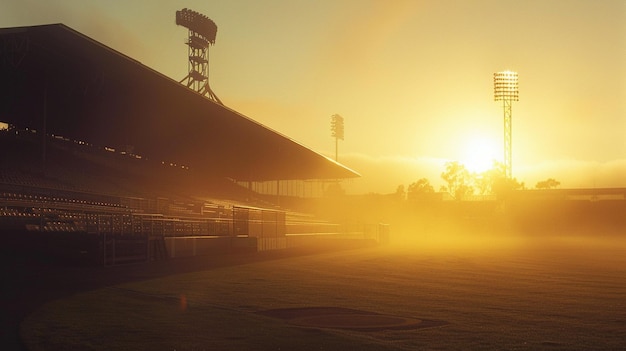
[[534, 270], [464, 283], [450, 223]]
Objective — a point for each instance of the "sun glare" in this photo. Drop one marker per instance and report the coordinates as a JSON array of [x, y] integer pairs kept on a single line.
[[479, 153]]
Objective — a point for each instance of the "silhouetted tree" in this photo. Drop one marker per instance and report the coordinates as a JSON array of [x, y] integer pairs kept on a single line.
[[484, 181], [419, 189], [503, 186], [549, 183], [495, 182], [499, 184], [400, 193], [458, 179]]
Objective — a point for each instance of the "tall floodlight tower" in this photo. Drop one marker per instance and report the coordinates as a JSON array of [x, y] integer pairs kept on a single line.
[[506, 89], [202, 32], [336, 129]]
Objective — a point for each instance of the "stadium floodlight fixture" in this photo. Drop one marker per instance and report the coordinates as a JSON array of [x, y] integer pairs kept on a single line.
[[198, 23], [506, 86], [336, 126], [506, 89]]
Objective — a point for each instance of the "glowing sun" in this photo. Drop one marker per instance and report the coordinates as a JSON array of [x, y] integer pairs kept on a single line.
[[479, 153]]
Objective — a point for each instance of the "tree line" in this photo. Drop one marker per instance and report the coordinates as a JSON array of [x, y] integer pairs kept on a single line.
[[460, 183]]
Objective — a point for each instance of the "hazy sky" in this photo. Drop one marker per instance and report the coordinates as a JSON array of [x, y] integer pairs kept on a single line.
[[412, 79]]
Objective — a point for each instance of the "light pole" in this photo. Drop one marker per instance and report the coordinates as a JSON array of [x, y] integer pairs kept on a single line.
[[506, 89], [202, 32], [336, 128]]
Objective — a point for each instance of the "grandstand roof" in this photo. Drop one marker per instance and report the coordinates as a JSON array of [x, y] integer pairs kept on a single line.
[[95, 94]]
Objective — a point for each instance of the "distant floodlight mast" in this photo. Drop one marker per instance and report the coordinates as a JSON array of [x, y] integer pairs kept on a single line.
[[506, 89], [202, 32], [336, 128]]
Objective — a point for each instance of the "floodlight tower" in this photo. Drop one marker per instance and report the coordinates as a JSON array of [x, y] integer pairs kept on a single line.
[[202, 33], [506, 89], [336, 128]]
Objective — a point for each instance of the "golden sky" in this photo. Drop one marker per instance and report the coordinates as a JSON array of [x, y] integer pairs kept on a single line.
[[412, 79]]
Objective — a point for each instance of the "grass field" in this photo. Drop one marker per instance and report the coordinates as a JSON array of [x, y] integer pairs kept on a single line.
[[490, 293]]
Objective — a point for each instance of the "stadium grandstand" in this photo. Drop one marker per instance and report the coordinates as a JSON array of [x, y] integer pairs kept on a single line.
[[107, 161]]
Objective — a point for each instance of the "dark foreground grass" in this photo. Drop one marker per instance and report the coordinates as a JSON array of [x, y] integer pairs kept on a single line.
[[112, 319], [494, 294]]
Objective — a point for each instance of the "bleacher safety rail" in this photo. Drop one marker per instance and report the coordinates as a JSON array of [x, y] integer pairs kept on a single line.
[[115, 234]]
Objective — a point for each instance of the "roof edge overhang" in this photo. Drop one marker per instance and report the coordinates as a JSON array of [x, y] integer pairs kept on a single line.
[[331, 168]]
